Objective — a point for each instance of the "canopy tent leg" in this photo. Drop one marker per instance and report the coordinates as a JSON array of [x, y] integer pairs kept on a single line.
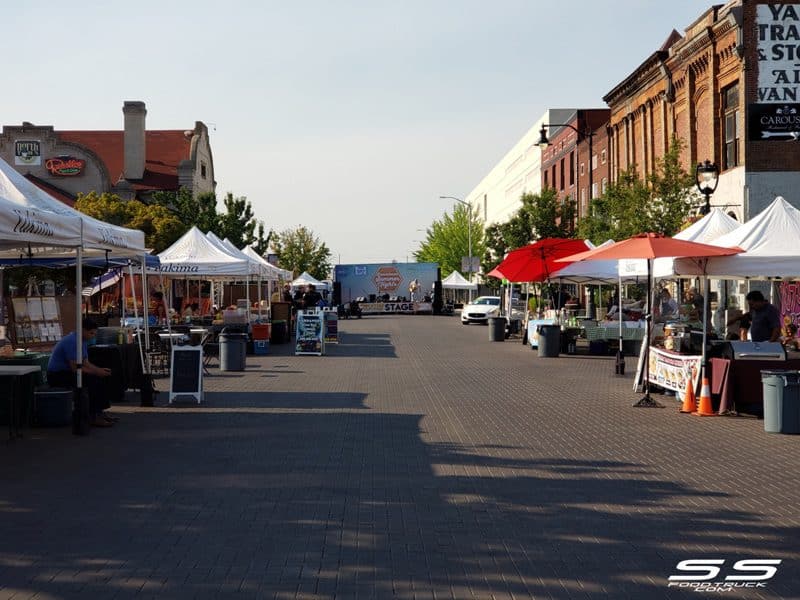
[[619, 366]]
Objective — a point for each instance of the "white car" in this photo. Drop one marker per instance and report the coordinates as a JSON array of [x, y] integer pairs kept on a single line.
[[480, 310]]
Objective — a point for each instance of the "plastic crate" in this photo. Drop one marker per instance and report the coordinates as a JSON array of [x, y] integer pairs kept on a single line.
[[260, 331], [260, 347]]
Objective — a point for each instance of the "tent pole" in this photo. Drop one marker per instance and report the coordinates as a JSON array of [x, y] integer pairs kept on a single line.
[[80, 407], [136, 313], [647, 401], [145, 302], [619, 368]]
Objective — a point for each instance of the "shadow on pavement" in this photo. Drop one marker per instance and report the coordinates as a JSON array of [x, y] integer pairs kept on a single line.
[[350, 504], [367, 345]]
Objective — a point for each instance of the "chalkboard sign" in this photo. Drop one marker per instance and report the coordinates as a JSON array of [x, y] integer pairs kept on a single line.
[[186, 374]]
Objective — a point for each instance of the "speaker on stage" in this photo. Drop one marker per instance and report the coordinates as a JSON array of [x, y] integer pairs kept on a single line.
[[337, 293], [437, 297]]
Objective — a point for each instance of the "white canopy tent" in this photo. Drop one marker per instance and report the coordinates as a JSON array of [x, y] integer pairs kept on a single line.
[[94, 236], [711, 227], [275, 273], [456, 281], [66, 233], [306, 279], [769, 241], [193, 254]]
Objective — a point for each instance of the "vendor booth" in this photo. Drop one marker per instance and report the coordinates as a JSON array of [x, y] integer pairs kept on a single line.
[[36, 225]]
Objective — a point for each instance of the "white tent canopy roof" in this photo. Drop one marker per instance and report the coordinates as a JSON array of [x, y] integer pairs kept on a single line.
[[769, 241], [273, 272], [712, 226], [253, 268], [305, 279], [97, 237], [194, 254], [456, 281]]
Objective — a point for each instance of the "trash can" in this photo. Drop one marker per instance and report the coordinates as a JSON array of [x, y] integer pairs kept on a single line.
[[497, 329], [52, 407], [279, 332], [781, 401], [232, 351], [549, 340]]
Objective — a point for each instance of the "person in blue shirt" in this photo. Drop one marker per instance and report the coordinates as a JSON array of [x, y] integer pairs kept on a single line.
[[63, 365]]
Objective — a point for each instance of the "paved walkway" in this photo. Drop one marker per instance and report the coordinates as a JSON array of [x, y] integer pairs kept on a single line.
[[416, 460]]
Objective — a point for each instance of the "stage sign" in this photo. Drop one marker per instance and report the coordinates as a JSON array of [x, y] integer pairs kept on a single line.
[[375, 281]]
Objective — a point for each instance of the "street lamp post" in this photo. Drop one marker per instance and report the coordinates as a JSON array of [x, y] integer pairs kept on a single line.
[[469, 236], [706, 175], [587, 133]]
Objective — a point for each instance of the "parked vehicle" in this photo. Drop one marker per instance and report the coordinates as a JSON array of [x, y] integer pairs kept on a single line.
[[480, 310]]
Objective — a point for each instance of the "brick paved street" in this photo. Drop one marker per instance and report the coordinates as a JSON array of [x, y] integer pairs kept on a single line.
[[416, 460]]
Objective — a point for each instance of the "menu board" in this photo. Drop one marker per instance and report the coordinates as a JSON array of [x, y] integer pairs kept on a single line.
[[309, 333], [186, 374], [331, 327], [35, 312], [20, 308]]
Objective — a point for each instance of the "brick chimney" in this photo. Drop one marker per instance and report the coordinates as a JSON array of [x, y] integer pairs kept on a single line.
[[134, 149]]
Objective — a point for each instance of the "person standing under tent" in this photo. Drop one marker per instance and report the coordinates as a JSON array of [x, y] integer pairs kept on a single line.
[[765, 320]]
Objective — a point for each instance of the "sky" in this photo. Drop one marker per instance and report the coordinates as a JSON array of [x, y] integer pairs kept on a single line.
[[348, 117]]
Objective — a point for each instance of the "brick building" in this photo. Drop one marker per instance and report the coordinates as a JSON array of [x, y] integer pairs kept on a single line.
[[728, 87], [132, 162], [575, 163]]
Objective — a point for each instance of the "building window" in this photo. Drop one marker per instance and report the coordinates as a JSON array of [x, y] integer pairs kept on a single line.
[[603, 157], [561, 179], [553, 175], [571, 169], [582, 169], [546, 183], [732, 133], [594, 190], [604, 186], [203, 170]]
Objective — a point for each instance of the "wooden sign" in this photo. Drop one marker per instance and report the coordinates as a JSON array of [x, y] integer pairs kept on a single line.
[[186, 374]]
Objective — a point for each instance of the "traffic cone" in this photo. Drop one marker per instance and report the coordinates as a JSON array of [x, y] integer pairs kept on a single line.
[[689, 400], [704, 409]]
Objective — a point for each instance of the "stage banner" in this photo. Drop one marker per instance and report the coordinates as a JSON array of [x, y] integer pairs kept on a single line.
[[674, 371], [386, 283], [406, 308]]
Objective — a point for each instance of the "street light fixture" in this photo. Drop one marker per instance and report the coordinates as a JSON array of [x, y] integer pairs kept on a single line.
[[469, 236], [706, 175], [587, 133]]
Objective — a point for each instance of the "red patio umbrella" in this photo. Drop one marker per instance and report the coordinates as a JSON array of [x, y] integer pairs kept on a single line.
[[537, 261], [650, 246]]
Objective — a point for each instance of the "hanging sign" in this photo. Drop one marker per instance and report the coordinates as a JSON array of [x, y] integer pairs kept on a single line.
[[27, 152]]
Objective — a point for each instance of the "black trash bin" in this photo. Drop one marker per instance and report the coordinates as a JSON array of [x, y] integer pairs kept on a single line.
[[549, 340], [781, 401], [232, 351], [497, 329]]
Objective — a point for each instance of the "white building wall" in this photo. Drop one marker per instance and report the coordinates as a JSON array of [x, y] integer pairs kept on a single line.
[[497, 197]]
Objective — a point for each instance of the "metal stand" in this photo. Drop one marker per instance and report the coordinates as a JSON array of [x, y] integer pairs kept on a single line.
[[647, 402]]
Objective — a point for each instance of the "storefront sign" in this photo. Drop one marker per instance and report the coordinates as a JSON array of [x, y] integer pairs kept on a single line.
[[65, 166], [673, 371], [778, 48], [774, 121], [27, 152]]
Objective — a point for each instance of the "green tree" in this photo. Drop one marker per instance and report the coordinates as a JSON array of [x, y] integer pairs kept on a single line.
[[300, 250], [261, 245], [237, 223], [448, 240], [160, 226], [630, 205], [200, 210]]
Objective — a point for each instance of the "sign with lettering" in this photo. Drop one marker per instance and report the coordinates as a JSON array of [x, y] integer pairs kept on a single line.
[[674, 371], [391, 280], [27, 152], [778, 48], [387, 279], [186, 373], [774, 121], [65, 166], [309, 335]]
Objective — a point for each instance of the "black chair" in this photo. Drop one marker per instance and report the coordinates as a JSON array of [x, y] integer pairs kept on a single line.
[[158, 355]]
